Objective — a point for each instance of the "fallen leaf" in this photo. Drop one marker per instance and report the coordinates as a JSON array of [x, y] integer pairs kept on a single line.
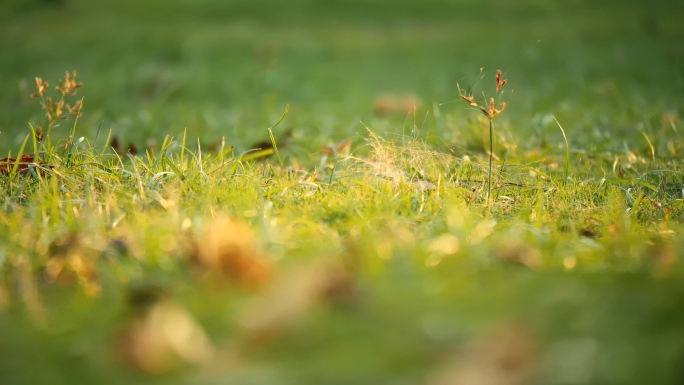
[[332, 149], [160, 335], [115, 144], [132, 149], [228, 247], [26, 161]]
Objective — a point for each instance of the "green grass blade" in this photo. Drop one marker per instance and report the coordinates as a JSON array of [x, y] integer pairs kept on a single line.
[[567, 152], [21, 152], [270, 134]]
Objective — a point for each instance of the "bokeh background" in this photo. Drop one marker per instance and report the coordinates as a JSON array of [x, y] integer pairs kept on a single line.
[[228, 68]]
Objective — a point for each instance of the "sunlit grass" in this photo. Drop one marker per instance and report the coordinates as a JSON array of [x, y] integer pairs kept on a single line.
[[198, 226]]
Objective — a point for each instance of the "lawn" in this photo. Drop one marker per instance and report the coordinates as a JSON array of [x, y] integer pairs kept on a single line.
[[304, 192]]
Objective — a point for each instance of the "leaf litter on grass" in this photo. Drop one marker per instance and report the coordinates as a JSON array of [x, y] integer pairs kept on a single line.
[[253, 259]]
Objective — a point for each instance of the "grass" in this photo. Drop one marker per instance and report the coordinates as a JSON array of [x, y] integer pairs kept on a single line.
[[356, 240]]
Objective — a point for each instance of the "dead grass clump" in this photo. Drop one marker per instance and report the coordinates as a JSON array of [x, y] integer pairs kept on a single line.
[[412, 162]]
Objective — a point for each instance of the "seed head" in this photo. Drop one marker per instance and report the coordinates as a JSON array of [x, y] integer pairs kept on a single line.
[[470, 99], [492, 111], [68, 86], [76, 109], [500, 83], [41, 86]]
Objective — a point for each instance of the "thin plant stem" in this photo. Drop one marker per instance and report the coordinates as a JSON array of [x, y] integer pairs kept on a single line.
[[491, 152]]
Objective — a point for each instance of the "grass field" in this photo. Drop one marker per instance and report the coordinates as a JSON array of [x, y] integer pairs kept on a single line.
[[161, 237]]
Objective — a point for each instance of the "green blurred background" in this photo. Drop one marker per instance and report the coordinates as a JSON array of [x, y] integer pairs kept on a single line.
[[228, 68]]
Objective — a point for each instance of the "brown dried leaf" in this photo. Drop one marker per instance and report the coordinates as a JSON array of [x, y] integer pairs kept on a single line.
[[116, 144], [338, 148], [161, 336], [25, 161], [229, 248], [132, 149]]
